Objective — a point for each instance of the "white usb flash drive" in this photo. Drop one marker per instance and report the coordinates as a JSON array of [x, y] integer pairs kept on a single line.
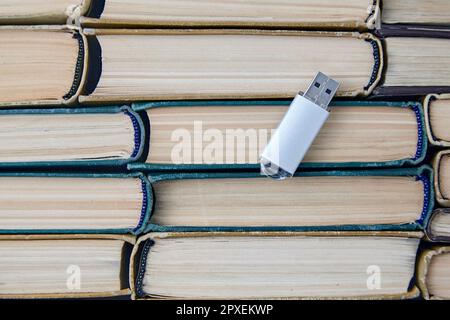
[[298, 129]]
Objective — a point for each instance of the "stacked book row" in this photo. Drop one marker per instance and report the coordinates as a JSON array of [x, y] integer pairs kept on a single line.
[[130, 136], [101, 66]]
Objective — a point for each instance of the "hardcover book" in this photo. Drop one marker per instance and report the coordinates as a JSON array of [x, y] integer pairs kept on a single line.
[[438, 227], [70, 266], [396, 199], [433, 274], [314, 14], [180, 64], [110, 65], [287, 265], [441, 165], [194, 135], [44, 11], [73, 203], [432, 13], [414, 62], [41, 65], [254, 13], [70, 137], [437, 118]]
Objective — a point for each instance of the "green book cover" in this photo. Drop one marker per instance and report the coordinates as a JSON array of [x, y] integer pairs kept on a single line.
[[74, 203], [71, 137], [247, 201], [181, 124]]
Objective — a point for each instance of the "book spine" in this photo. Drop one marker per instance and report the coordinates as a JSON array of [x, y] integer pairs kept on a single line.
[[79, 67], [423, 174], [377, 53], [147, 205]]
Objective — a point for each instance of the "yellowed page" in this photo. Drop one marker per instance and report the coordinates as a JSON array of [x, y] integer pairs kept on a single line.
[[198, 64], [300, 201], [48, 203], [439, 117], [239, 13], [417, 62], [36, 65], [37, 11], [444, 176], [60, 266], [438, 276], [416, 11], [236, 267], [351, 134], [65, 137]]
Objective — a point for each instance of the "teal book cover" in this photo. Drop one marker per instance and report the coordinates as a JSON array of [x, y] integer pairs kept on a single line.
[[364, 200], [70, 137], [217, 135], [74, 203]]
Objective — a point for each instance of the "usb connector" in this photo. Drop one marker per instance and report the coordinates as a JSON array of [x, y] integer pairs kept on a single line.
[[298, 129], [321, 90]]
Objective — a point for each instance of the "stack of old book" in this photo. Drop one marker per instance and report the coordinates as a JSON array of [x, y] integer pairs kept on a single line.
[[130, 135]]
